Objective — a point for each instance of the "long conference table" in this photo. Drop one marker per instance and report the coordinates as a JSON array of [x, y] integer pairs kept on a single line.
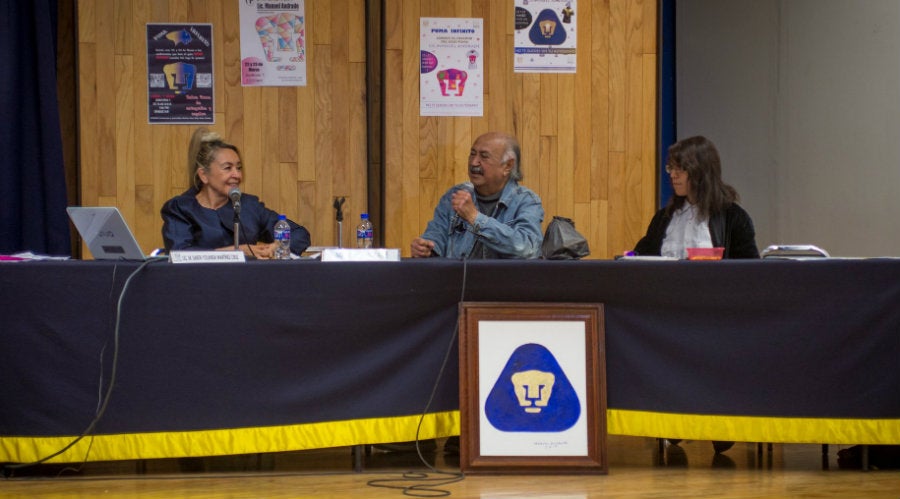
[[268, 356]]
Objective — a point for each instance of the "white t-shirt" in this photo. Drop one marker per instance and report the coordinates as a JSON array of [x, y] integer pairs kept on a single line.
[[685, 231]]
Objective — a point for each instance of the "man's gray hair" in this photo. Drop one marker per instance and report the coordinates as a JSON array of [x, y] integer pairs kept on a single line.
[[513, 152]]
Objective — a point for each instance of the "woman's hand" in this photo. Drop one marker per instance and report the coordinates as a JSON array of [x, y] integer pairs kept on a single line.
[[262, 251]]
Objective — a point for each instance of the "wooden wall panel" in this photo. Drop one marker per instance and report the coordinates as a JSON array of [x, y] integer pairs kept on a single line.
[[301, 145], [588, 139]]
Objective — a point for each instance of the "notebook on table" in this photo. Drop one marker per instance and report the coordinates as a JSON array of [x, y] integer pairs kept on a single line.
[[105, 232]]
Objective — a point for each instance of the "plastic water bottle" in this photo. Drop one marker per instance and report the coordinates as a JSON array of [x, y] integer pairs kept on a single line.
[[365, 233], [283, 238]]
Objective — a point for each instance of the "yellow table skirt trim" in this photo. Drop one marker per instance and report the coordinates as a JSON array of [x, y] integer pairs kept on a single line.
[[435, 425], [130, 446], [753, 428]]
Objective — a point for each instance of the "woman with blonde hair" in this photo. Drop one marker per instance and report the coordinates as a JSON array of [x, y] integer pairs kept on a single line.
[[202, 217]]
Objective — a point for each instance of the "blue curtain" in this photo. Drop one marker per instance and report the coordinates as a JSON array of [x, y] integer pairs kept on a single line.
[[666, 93], [32, 175]]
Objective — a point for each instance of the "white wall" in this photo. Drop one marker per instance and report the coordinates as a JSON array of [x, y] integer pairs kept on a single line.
[[802, 97]]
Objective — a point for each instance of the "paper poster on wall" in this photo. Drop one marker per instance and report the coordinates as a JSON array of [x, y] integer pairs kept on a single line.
[[180, 73], [451, 79], [510, 425], [545, 40], [273, 43]]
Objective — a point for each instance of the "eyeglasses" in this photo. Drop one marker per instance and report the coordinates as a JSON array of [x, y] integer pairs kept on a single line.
[[674, 170]]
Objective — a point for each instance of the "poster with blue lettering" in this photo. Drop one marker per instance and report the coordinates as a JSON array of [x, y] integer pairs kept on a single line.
[[451, 78], [532, 388], [273, 43], [544, 39], [179, 74]]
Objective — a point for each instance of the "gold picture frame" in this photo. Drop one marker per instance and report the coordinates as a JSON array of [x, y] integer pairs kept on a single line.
[[532, 388]]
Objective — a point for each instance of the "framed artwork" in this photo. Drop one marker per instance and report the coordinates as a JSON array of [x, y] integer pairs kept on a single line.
[[532, 388]]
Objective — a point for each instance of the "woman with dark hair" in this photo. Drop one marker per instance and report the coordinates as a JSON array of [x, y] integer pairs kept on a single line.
[[202, 217], [703, 212]]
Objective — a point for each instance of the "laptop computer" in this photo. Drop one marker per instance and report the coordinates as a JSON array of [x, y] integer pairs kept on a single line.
[[105, 232]]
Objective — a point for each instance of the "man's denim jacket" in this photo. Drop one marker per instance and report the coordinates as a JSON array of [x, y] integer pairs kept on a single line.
[[514, 231]]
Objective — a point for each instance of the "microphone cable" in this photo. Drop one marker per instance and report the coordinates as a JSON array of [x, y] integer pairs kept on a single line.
[[247, 241], [424, 485], [8, 469]]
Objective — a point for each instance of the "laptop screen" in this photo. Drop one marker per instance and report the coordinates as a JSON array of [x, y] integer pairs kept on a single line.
[[105, 232]]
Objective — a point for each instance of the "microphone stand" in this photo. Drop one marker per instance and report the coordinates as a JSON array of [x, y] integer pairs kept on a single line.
[[339, 216], [237, 225]]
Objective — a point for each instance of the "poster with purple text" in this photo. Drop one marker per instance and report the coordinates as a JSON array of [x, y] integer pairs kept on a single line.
[[180, 74], [544, 39], [273, 43], [451, 78]]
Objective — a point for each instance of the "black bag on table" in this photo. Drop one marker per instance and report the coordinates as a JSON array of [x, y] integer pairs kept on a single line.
[[563, 242]]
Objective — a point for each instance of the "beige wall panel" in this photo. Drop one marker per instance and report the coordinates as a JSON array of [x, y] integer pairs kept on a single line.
[[287, 125], [307, 207], [617, 204], [584, 220], [565, 152], [648, 26], [124, 141], [147, 230], [581, 192], [106, 91], [356, 16], [306, 135], [123, 19], [431, 162], [430, 189], [618, 73], [341, 100], [549, 176], [288, 200], [459, 154], [393, 27], [529, 126], [252, 145], [549, 101], [323, 108], [178, 11], [87, 90], [648, 145], [446, 170], [87, 12], [320, 18], [356, 136], [600, 92], [229, 76], [407, 81], [269, 148], [598, 235], [393, 145], [197, 9], [144, 146]]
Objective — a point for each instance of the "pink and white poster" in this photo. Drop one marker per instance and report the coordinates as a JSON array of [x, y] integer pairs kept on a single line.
[[451, 78], [273, 43]]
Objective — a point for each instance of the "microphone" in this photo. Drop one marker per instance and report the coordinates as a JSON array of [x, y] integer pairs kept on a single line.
[[235, 195], [457, 224]]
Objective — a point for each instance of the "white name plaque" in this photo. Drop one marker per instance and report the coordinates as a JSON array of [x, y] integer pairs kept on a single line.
[[360, 255], [206, 256]]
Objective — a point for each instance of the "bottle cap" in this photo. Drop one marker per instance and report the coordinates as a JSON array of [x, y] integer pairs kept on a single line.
[[364, 215], [282, 217]]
